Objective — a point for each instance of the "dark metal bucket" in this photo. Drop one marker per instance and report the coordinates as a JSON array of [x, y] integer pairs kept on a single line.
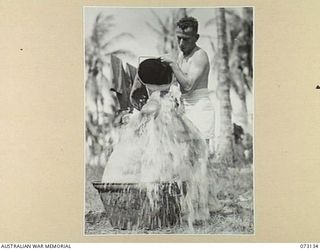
[[150, 71], [128, 206], [153, 71]]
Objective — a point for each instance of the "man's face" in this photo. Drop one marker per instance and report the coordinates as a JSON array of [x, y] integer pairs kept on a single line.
[[187, 43]]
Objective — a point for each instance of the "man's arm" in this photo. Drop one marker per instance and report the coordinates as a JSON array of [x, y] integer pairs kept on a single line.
[[197, 67]]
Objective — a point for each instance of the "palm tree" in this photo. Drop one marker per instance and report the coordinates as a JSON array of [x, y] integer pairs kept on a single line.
[[101, 104], [225, 143], [165, 29], [239, 38], [240, 43], [101, 44]]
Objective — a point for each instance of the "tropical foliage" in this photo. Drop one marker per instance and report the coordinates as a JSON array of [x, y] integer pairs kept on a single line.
[[225, 145], [165, 30], [231, 170], [239, 39], [101, 103]]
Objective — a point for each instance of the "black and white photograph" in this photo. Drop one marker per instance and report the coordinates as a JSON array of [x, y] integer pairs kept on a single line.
[[169, 120]]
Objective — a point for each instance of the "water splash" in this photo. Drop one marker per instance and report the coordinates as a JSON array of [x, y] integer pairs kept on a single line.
[[160, 168]]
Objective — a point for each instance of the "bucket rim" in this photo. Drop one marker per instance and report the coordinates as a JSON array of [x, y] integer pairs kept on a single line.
[[156, 84]]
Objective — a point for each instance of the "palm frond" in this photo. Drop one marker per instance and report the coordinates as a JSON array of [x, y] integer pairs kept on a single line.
[[162, 24], [208, 36], [233, 14], [116, 39], [108, 64], [100, 30], [214, 62], [211, 21], [108, 18], [122, 52], [175, 17], [248, 83], [190, 10], [98, 17], [167, 22], [154, 29], [212, 46], [234, 85], [105, 28], [102, 26], [183, 12]]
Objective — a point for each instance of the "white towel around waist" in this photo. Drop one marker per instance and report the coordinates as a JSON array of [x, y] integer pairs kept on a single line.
[[200, 110]]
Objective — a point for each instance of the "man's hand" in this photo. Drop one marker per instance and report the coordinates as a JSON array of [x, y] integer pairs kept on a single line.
[[167, 58]]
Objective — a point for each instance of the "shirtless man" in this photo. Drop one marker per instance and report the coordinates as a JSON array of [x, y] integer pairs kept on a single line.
[[191, 71]]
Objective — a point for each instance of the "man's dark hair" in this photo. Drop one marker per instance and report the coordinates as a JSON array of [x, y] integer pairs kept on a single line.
[[188, 22]]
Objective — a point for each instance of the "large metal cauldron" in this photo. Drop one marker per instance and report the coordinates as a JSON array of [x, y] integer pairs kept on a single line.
[[128, 206]]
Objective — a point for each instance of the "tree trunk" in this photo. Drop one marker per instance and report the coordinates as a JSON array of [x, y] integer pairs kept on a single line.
[[240, 112], [183, 12], [248, 16], [225, 140]]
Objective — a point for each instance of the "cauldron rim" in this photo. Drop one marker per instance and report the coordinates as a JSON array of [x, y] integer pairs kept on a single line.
[[116, 186]]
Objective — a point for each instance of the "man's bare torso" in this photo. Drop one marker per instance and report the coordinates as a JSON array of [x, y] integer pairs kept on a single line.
[[185, 63]]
